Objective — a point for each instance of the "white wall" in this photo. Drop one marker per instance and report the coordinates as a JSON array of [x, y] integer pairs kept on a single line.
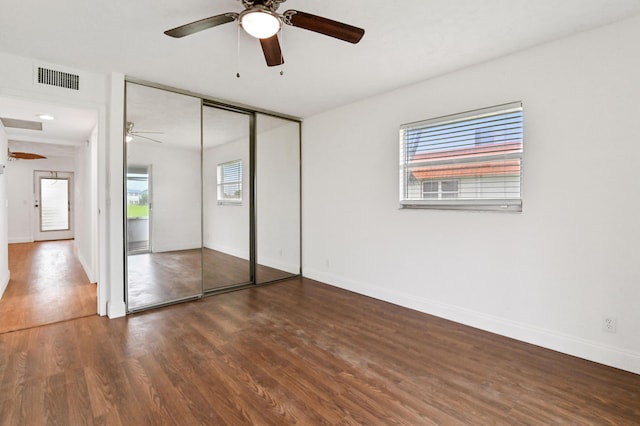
[[4, 252], [226, 226], [547, 275], [86, 205], [175, 194], [20, 194]]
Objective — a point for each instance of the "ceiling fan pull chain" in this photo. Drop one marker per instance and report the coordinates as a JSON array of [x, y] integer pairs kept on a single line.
[[281, 54], [238, 55]]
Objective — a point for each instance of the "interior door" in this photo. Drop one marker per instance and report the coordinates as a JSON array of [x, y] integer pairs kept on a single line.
[[53, 203]]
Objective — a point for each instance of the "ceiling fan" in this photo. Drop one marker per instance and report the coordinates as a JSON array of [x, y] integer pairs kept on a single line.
[[13, 156], [136, 134], [261, 20]]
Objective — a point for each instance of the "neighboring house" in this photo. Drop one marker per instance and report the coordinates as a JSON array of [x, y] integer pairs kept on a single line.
[[473, 176], [133, 196]]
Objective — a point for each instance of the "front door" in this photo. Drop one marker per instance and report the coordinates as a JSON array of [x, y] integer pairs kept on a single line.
[[53, 202]]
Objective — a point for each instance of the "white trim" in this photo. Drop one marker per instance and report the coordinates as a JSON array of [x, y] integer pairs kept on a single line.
[[5, 283], [15, 240], [467, 115], [233, 251], [161, 248], [572, 345], [292, 268], [116, 309], [85, 265]]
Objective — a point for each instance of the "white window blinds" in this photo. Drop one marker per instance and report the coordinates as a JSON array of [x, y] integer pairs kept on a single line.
[[468, 160], [230, 181]]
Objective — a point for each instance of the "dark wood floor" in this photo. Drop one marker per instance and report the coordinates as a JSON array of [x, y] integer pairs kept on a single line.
[[48, 284], [297, 352], [160, 277]]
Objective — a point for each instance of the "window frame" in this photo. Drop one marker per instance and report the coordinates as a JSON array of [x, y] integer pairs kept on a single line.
[[221, 183], [479, 203]]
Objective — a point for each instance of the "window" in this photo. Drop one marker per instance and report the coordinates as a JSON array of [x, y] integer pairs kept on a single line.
[[54, 201], [471, 160], [230, 182]]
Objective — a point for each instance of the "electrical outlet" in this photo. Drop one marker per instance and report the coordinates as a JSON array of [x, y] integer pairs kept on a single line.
[[610, 324]]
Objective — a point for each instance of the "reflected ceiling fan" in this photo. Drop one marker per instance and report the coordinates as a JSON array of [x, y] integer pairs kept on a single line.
[[13, 156], [136, 134], [261, 20]]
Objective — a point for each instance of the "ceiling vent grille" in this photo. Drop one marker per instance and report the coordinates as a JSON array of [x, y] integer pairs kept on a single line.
[[58, 78]]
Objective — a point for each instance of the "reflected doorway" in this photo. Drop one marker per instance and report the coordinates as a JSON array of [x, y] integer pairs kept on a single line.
[[138, 209]]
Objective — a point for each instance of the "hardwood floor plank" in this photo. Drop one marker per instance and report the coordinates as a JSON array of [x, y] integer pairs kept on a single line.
[[48, 284], [297, 352]]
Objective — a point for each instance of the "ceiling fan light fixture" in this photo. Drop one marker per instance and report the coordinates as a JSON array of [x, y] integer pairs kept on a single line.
[[47, 117], [128, 138], [260, 22]]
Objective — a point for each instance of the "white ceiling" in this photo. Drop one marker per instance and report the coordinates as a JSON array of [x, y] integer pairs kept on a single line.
[[405, 41]]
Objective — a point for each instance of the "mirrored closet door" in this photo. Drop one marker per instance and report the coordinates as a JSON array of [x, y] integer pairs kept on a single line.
[[226, 165], [277, 198], [163, 196], [212, 195]]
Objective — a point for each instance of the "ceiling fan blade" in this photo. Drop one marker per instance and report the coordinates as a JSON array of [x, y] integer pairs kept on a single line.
[[145, 137], [271, 50], [26, 155], [324, 26], [202, 24]]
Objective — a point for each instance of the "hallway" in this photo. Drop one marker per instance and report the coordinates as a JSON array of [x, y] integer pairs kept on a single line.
[[48, 285]]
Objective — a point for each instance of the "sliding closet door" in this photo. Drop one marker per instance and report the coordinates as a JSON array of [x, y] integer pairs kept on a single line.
[[226, 198], [163, 193], [277, 198]]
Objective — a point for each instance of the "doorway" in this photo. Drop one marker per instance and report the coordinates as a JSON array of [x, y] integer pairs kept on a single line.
[[53, 200], [139, 209], [52, 211]]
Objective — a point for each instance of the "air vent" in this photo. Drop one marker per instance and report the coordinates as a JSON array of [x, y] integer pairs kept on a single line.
[[58, 78], [21, 124]]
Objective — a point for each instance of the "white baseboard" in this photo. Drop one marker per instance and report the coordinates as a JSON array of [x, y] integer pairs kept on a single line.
[[160, 248], [116, 309], [86, 266], [4, 282], [292, 268], [15, 240], [550, 339], [233, 251]]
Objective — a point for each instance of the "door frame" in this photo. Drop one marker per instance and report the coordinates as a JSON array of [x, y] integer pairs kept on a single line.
[[38, 234]]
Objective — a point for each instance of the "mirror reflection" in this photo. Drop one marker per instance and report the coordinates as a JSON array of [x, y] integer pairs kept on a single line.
[[226, 213], [163, 184], [277, 198], [210, 205]]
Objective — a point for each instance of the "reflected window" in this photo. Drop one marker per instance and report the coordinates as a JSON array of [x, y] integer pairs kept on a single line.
[[230, 182]]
